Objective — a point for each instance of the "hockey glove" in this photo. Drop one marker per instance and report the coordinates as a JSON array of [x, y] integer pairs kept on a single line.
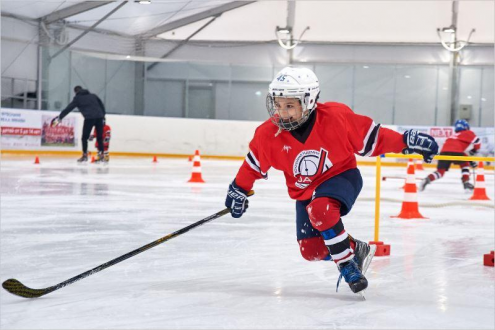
[[236, 200], [420, 143], [55, 121]]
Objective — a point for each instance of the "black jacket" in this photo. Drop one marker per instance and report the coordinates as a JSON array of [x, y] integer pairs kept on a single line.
[[88, 104]]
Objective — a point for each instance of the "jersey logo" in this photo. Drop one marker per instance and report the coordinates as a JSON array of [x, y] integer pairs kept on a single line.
[[286, 148], [310, 164]]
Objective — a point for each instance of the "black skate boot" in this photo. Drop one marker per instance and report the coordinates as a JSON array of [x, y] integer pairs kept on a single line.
[[363, 254], [84, 158], [468, 186], [422, 186], [349, 270]]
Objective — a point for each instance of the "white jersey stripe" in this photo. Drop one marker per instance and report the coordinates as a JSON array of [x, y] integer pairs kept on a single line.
[[365, 141]]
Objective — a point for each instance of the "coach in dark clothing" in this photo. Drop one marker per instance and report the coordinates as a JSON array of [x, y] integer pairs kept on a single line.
[[93, 112]]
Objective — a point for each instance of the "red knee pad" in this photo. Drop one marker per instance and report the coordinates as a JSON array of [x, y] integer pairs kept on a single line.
[[324, 213], [313, 249]]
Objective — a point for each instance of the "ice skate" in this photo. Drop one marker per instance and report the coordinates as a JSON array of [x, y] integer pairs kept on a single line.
[[84, 158], [352, 275], [468, 187], [100, 158], [363, 254], [106, 157], [422, 186]]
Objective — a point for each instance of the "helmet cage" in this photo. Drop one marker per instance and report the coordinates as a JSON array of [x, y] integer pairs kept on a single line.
[[289, 125]]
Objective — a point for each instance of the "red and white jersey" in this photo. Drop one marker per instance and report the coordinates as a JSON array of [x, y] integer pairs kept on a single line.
[[464, 141], [107, 133], [337, 135]]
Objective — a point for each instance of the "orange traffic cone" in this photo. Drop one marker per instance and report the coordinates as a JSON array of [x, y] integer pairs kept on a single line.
[[419, 165], [479, 193], [36, 160], [196, 170], [409, 163], [93, 159], [410, 203], [155, 160], [190, 158]]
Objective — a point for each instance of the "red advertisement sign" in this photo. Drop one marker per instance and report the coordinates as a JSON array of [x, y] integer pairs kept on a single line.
[[441, 132], [21, 131]]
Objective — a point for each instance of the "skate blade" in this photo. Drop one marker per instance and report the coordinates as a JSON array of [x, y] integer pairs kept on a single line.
[[368, 259], [361, 293]]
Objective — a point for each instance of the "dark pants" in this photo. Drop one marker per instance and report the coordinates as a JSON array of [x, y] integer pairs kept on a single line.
[[445, 164], [87, 127], [344, 187]]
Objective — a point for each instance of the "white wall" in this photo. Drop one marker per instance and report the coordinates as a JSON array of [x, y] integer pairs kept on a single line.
[[155, 135], [180, 135]]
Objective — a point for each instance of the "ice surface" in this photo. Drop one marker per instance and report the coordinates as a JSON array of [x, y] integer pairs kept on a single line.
[[59, 219]]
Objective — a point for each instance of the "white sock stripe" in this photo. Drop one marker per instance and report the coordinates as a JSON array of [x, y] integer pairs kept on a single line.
[[338, 262], [337, 239], [342, 254]]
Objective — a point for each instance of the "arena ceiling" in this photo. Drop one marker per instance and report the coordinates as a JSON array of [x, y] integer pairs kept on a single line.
[[311, 21]]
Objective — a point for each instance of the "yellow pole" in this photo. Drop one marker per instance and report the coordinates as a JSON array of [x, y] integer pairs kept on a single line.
[[377, 196]]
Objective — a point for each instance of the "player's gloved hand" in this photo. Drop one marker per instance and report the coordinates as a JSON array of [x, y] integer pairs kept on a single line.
[[420, 143], [236, 200], [55, 121], [473, 164]]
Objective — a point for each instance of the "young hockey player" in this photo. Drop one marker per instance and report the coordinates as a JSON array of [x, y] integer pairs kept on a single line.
[[314, 144], [462, 143], [107, 132]]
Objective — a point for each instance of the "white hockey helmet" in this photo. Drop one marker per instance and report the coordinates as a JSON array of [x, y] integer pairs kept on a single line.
[[299, 83]]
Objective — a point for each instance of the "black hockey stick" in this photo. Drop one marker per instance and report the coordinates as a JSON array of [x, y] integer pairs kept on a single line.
[[17, 288]]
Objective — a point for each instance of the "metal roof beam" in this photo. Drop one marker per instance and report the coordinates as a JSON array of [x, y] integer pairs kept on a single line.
[[73, 10], [194, 18], [88, 30]]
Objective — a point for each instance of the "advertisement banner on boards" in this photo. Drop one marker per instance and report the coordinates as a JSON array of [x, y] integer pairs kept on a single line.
[[31, 130]]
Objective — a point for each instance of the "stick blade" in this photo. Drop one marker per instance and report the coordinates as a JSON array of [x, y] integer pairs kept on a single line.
[[17, 288]]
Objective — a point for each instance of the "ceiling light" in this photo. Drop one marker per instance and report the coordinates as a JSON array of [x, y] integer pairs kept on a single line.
[[450, 29], [365, 67], [407, 77]]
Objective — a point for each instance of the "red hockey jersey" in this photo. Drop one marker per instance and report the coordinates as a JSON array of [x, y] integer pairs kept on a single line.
[[464, 141], [107, 132], [338, 133]]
